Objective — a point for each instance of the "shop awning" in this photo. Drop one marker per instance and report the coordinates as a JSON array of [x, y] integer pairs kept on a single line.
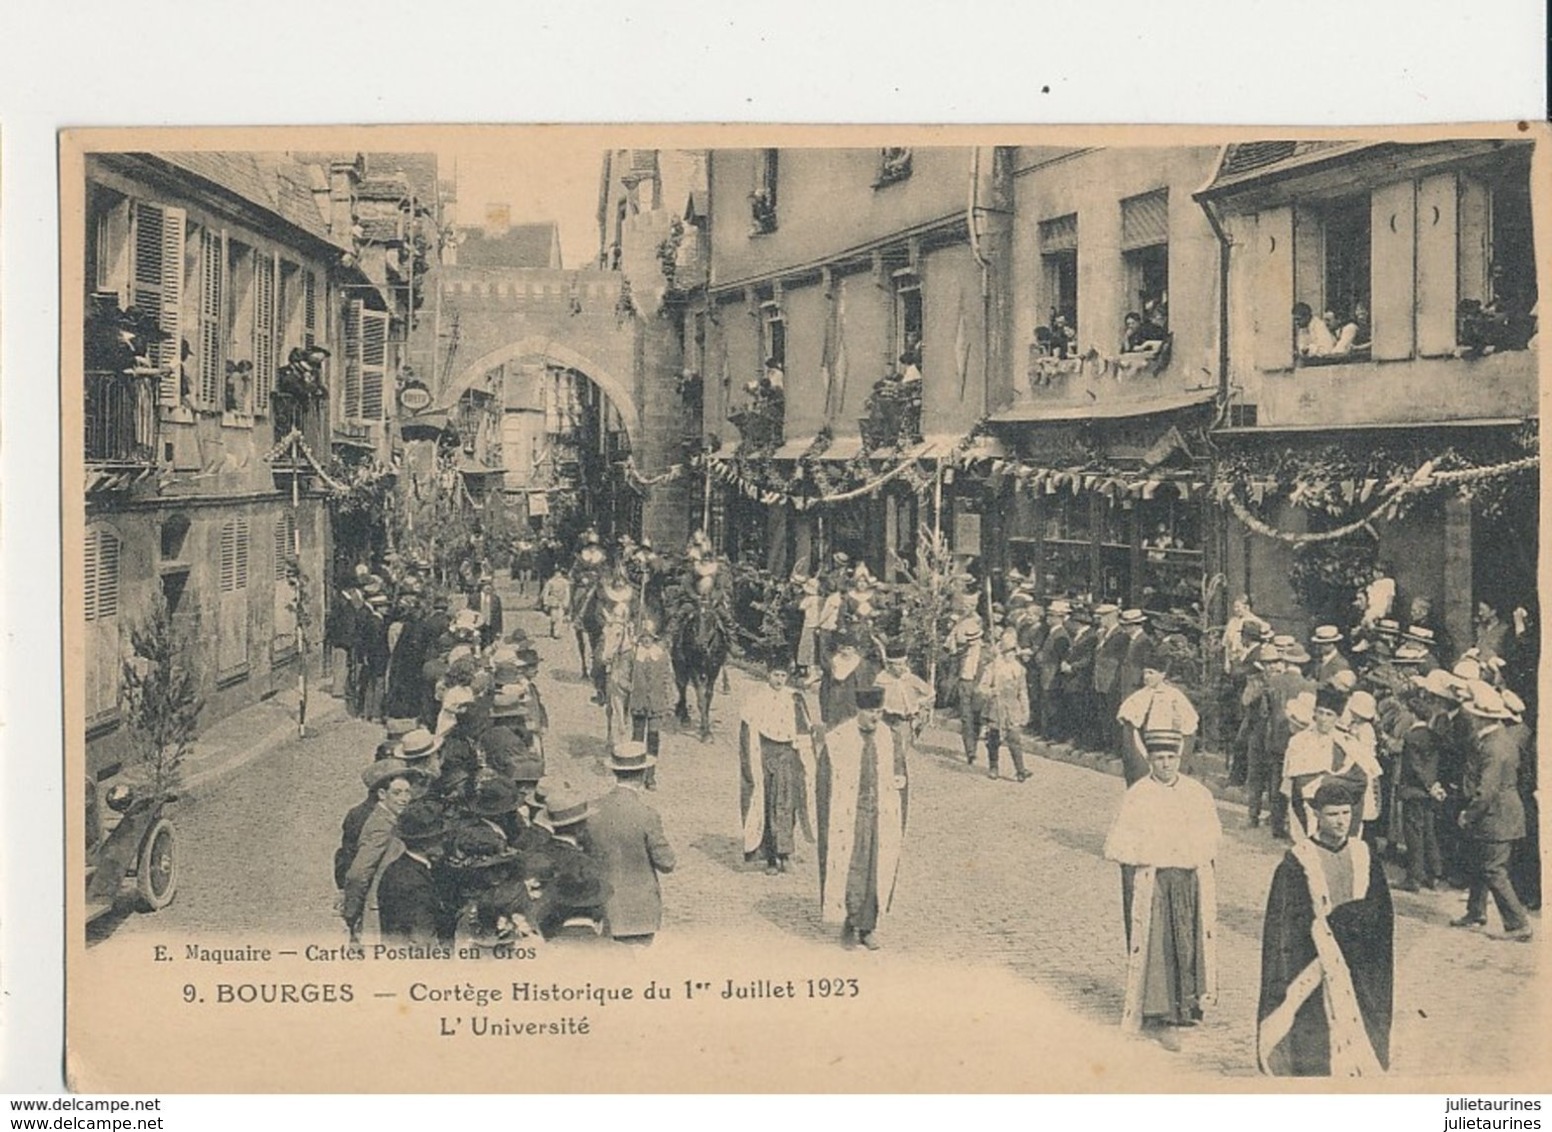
[[940, 445], [424, 426], [1102, 410], [841, 448]]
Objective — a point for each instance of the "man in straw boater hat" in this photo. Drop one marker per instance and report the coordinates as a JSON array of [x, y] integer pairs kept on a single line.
[[1003, 696], [1418, 787], [1165, 838], [861, 803], [776, 767], [1494, 815], [626, 839], [1157, 715], [1327, 952], [1327, 642]]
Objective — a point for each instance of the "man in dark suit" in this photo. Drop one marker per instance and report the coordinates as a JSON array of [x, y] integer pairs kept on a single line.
[[1110, 644], [1139, 651], [1075, 683], [488, 604], [1327, 640], [1029, 620], [626, 839], [411, 896], [1052, 715], [1494, 817]]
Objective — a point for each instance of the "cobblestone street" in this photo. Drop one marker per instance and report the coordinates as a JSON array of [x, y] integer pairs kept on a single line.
[[997, 877]]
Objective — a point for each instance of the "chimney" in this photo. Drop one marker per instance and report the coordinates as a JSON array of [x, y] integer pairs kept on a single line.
[[344, 176], [498, 218]]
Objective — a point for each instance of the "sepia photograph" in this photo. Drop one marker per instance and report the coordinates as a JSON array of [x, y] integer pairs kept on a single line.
[[1028, 610]]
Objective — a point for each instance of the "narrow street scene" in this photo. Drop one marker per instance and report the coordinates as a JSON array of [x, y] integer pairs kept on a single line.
[[1121, 587]]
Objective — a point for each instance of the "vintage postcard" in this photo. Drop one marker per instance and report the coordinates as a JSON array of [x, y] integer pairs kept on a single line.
[[734, 609]]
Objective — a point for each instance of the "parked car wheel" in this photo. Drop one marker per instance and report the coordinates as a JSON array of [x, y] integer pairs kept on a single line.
[[156, 878]]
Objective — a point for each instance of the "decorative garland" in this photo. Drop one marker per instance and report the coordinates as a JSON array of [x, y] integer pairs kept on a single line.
[[293, 442], [637, 479], [856, 478], [1424, 479]]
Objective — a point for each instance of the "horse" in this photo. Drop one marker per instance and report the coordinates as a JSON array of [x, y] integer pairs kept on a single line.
[[587, 622], [699, 650]]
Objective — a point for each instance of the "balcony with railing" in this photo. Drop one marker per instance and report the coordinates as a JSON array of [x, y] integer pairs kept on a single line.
[[121, 426]]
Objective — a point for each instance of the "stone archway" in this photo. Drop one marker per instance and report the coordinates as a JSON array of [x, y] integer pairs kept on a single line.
[[549, 350]]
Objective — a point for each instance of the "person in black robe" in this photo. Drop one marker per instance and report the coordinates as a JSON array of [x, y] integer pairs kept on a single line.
[[405, 695], [1327, 953]]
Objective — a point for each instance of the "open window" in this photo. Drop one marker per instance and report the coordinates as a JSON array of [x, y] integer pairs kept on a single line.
[[773, 336], [1058, 337], [1497, 269], [908, 320], [1145, 262], [1335, 247], [762, 194]]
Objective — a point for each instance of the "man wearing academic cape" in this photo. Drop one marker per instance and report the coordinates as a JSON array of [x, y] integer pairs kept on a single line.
[[861, 807], [776, 771], [1327, 956]]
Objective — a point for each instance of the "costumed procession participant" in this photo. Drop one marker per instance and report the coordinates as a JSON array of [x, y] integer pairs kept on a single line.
[[612, 668], [556, 600], [1494, 816], [861, 798], [907, 697], [774, 735], [1363, 754], [1165, 838], [1157, 715], [848, 672], [1314, 752], [1003, 696], [650, 692], [809, 606], [625, 838], [1327, 954]]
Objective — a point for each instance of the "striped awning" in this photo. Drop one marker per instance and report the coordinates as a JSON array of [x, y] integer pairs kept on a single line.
[[1145, 220], [1059, 234]]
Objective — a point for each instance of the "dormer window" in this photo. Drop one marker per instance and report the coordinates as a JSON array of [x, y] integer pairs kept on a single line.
[[894, 164]]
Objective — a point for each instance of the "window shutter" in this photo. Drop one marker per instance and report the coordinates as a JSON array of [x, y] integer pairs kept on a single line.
[[1438, 231], [1274, 289], [242, 554], [156, 284], [374, 363], [228, 557], [107, 576], [232, 635], [266, 268], [285, 542], [212, 307], [352, 391], [102, 668], [309, 308], [114, 251], [1476, 238], [1145, 220], [91, 583], [1393, 286]]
